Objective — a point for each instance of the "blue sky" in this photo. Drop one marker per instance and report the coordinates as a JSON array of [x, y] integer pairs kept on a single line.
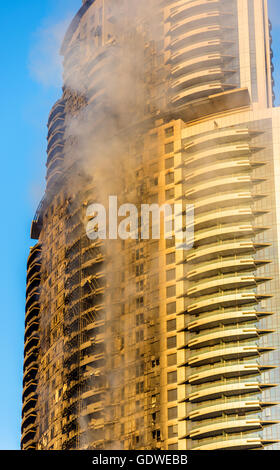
[[30, 84]]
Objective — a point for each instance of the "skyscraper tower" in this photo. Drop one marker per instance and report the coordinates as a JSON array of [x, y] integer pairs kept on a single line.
[[144, 344]]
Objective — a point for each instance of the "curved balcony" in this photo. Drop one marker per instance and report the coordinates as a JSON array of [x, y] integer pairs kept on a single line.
[[224, 301], [220, 152], [32, 283], [56, 162], [31, 327], [56, 138], [223, 216], [197, 49], [224, 336], [30, 372], [199, 91], [32, 296], [34, 255], [226, 318], [54, 177], [28, 420], [227, 408], [224, 200], [55, 125], [222, 184], [32, 312], [236, 426], [179, 9], [56, 152], [225, 266], [226, 354], [218, 373], [222, 136], [55, 170], [211, 235], [224, 168], [29, 404], [29, 388], [57, 110], [199, 20], [225, 283], [31, 356], [237, 444], [200, 64], [197, 35], [28, 436], [228, 390], [196, 78], [202, 253]]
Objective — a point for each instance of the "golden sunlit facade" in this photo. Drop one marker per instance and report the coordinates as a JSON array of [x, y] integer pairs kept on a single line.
[[144, 344]]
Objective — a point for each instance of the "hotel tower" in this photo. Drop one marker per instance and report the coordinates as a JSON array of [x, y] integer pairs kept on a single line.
[[145, 343]]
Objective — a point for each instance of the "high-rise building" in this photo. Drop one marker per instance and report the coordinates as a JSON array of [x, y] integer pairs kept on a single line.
[[148, 344]]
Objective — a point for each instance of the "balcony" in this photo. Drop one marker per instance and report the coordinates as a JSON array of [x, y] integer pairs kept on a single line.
[[237, 444], [228, 390], [195, 78], [225, 200], [220, 152], [198, 49], [195, 21], [203, 254], [179, 10], [225, 301], [219, 373], [228, 408], [226, 318], [200, 64], [226, 354], [233, 265], [197, 35], [236, 426], [224, 336], [199, 91], [222, 184], [224, 283]]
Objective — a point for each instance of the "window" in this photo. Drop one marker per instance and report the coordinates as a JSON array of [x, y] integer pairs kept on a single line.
[[170, 274], [140, 387], [172, 413], [168, 148], [172, 431], [139, 253], [173, 446], [171, 308], [169, 132], [139, 302], [171, 291], [172, 360], [156, 434], [172, 377], [171, 342], [169, 194], [155, 362], [171, 325], [172, 395], [170, 242], [139, 286], [139, 369], [170, 258], [139, 319], [139, 335], [169, 178], [169, 163]]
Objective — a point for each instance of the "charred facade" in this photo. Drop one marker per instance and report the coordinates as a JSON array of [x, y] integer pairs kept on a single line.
[[142, 344]]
